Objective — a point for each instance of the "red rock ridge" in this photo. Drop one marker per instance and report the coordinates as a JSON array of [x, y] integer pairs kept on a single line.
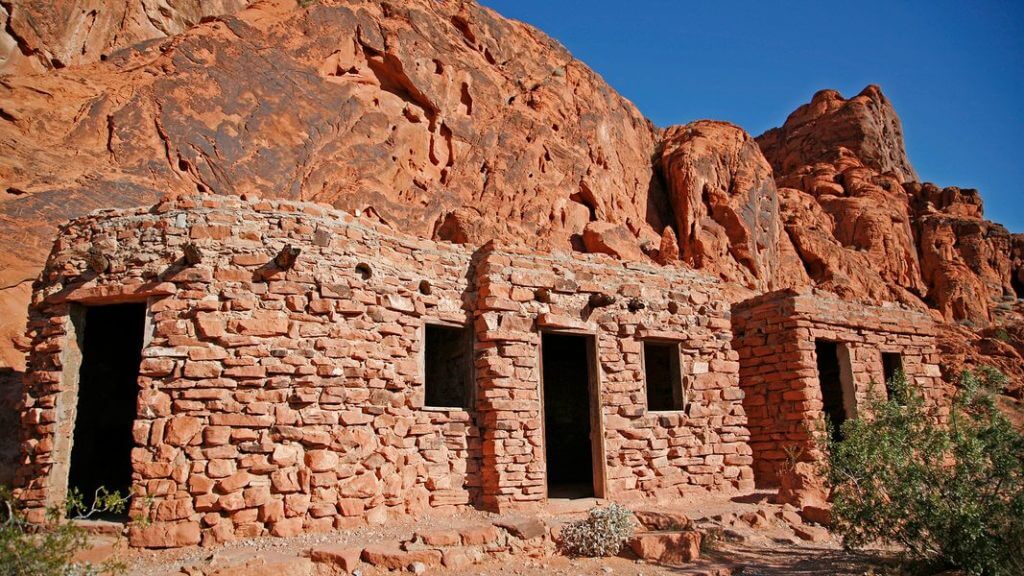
[[440, 118], [865, 228], [866, 125], [41, 35], [448, 121]]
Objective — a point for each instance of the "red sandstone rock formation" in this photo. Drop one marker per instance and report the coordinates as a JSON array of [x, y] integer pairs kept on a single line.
[[726, 206], [41, 35], [445, 120], [866, 125], [442, 119], [864, 229]]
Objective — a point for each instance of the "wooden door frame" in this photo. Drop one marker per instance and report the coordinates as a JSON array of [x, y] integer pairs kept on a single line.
[[599, 469]]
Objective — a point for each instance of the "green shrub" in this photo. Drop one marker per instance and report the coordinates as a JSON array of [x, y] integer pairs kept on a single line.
[[30, 550], [950, 495], [602, 534]]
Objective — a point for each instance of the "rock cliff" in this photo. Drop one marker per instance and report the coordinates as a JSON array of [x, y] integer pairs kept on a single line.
[[865, 227], [40, 35], [446, 120]]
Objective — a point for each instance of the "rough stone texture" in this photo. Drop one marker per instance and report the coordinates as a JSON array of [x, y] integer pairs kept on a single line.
[[801, 485], [726, 206], [440, 118], [864, 230], [865, 125], [42, 35], [281, 401], [775, 337], [447, 121], [652, 519], [667, 547]]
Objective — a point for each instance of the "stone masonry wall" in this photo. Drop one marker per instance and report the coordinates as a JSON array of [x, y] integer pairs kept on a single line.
[[775, 335], [647, 455], [279, 400]]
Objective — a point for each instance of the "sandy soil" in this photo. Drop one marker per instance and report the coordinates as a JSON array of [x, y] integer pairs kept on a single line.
[[768, 548]]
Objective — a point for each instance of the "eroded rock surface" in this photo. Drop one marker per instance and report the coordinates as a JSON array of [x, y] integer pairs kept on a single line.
[[726, 206], [41, 35], [445, 120], [866, 125], [865, 228], [440, 118]]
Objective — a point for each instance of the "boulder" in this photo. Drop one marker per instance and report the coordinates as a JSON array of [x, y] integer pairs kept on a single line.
[[801, 485], [811, 533], [338, 556], [667, 547], [662, 519], [525, 528], [613, 239], [389, 556]]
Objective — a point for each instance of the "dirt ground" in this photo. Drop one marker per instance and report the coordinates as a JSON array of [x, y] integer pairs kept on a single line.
[[736, 560], [741, 545]]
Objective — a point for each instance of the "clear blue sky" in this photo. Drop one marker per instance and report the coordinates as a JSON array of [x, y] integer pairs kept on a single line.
[[953, 70]]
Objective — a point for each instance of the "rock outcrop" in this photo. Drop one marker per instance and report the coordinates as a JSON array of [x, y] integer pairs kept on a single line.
[[865, 228], [41, 35], [445, 120], [440, 118], [865, 125], [726, 206]]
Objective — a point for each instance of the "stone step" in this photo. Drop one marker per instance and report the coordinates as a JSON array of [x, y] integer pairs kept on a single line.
[[432, 549]]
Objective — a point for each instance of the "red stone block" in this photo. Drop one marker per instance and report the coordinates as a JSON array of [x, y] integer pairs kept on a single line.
[[390, 557], [338, 556], [667, 547], [164, 534], [479, 535]]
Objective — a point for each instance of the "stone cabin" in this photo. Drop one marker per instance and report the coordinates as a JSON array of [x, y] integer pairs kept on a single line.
[[805, 355], [254, 367]]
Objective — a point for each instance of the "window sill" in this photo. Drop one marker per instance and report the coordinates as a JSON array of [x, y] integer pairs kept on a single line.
[[444, 409]]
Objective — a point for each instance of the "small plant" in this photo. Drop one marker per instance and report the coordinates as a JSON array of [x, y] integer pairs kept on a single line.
[[103, 501], [948, 495], [711, 539], [1002, 335], [31, 550], [602, 534]]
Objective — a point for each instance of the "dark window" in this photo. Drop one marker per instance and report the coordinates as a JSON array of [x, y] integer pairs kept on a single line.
[[661, 373], [831, 385], [892, 364], [447, 354], [108, 391]]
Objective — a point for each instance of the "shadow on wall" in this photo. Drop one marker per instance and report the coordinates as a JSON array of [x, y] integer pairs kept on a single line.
[[10, 393]]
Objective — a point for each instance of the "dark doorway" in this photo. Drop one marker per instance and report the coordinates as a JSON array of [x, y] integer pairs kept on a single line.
[[108, 390], [569, 454], [892, 365], [1017, 281], [829, 377]]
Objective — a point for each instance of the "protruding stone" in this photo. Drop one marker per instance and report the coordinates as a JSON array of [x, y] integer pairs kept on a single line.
[[667, 547]]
